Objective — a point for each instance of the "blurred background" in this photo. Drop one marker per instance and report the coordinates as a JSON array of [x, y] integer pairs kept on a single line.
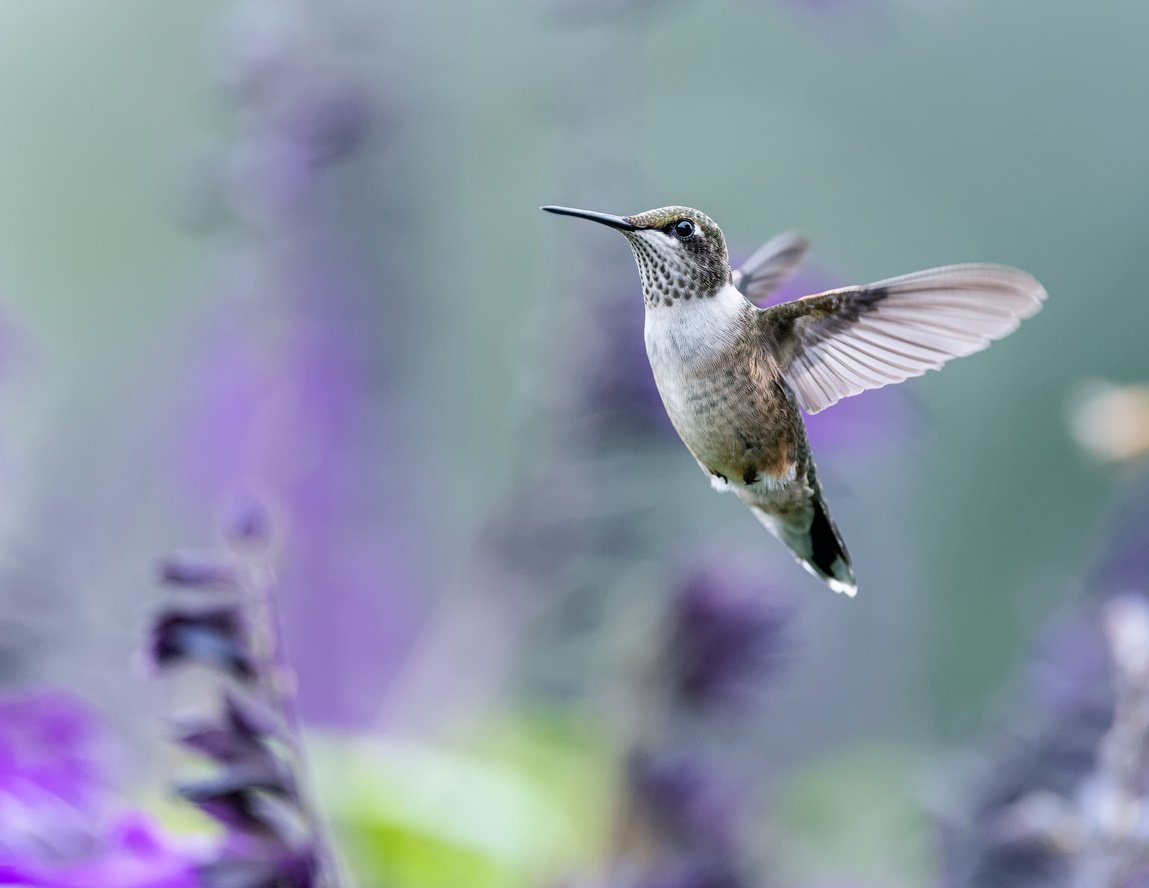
[[291, 251]]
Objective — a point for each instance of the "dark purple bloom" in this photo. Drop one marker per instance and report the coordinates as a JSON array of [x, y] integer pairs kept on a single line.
[[329, 116], [687, 800], [271, 868], [726, 639], [216, 637], [246, 522], [1071, 666], [274, 835], [1124, 565], [237, 800], [264, 774], [614, 386], [241, 737], [1051, 757], [198, 573], [1036, 789], [695, 872], [688, 804]]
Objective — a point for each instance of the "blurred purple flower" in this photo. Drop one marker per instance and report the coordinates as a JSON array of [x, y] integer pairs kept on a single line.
[[274, 835], [214, 636], [1139, 878], [237, 739], [726, 640], [59, 826], [308, 124], [1071, 666], [990, 848], [1049, 758], [686, 799], [1124, 564], [193, 572], [688, 804], [1036, 787], [278, 869], [288, 397], [131, 853], [697, 871], [616, 394], [47, 745]]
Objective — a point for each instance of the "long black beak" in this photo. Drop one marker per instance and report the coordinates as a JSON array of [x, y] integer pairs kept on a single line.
[[618, 222]]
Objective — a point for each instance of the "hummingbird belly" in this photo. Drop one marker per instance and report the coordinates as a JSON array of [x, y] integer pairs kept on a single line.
[[739, 424], [726, 399]]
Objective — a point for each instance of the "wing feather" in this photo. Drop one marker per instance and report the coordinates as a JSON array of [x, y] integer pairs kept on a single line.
[[769, 265], [836, 344]]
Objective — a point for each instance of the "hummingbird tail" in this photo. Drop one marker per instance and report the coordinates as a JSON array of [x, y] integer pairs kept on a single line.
[[828, 557], [816, 543]]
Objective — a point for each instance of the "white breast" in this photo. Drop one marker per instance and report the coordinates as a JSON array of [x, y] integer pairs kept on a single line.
[[692, 332], [682, 341]]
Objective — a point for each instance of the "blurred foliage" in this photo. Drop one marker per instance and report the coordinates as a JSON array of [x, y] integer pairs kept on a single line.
[[524, 805], [859, 813]]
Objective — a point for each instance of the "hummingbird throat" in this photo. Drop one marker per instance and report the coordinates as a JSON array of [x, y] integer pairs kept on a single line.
[[671, 272]]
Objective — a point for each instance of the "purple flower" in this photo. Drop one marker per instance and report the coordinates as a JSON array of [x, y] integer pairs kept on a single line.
[[59, 827], [274, 835], [289, 397], [198, 573], [1034, 807], [273, 868], [725, 641], [236, 798], [614, 390], [688, 804], [1124, 565], [215, 636], [237, 738], [1051, 757], [686, 800], [131, 853], [1071, 666], [311, 125], [694, 872], [47, 748]]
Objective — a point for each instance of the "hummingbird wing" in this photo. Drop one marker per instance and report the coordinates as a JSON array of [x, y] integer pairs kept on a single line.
[[841, 342], [769, 265]]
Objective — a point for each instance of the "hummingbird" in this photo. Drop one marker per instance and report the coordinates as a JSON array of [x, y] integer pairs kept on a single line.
[[734, 377]]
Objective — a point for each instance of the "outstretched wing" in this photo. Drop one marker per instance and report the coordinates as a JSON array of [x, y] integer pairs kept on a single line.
[[769, 265], [835, 344]]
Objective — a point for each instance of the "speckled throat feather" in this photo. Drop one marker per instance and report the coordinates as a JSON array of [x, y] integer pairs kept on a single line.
[[672, 269]]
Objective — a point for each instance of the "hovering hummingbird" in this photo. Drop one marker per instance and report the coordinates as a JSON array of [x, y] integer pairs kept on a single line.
[[733, 376]]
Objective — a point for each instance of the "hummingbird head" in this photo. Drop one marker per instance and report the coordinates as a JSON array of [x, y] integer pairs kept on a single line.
[[681, 253]]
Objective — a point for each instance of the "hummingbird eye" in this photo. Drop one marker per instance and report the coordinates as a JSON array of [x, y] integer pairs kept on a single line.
[[684, 228]]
